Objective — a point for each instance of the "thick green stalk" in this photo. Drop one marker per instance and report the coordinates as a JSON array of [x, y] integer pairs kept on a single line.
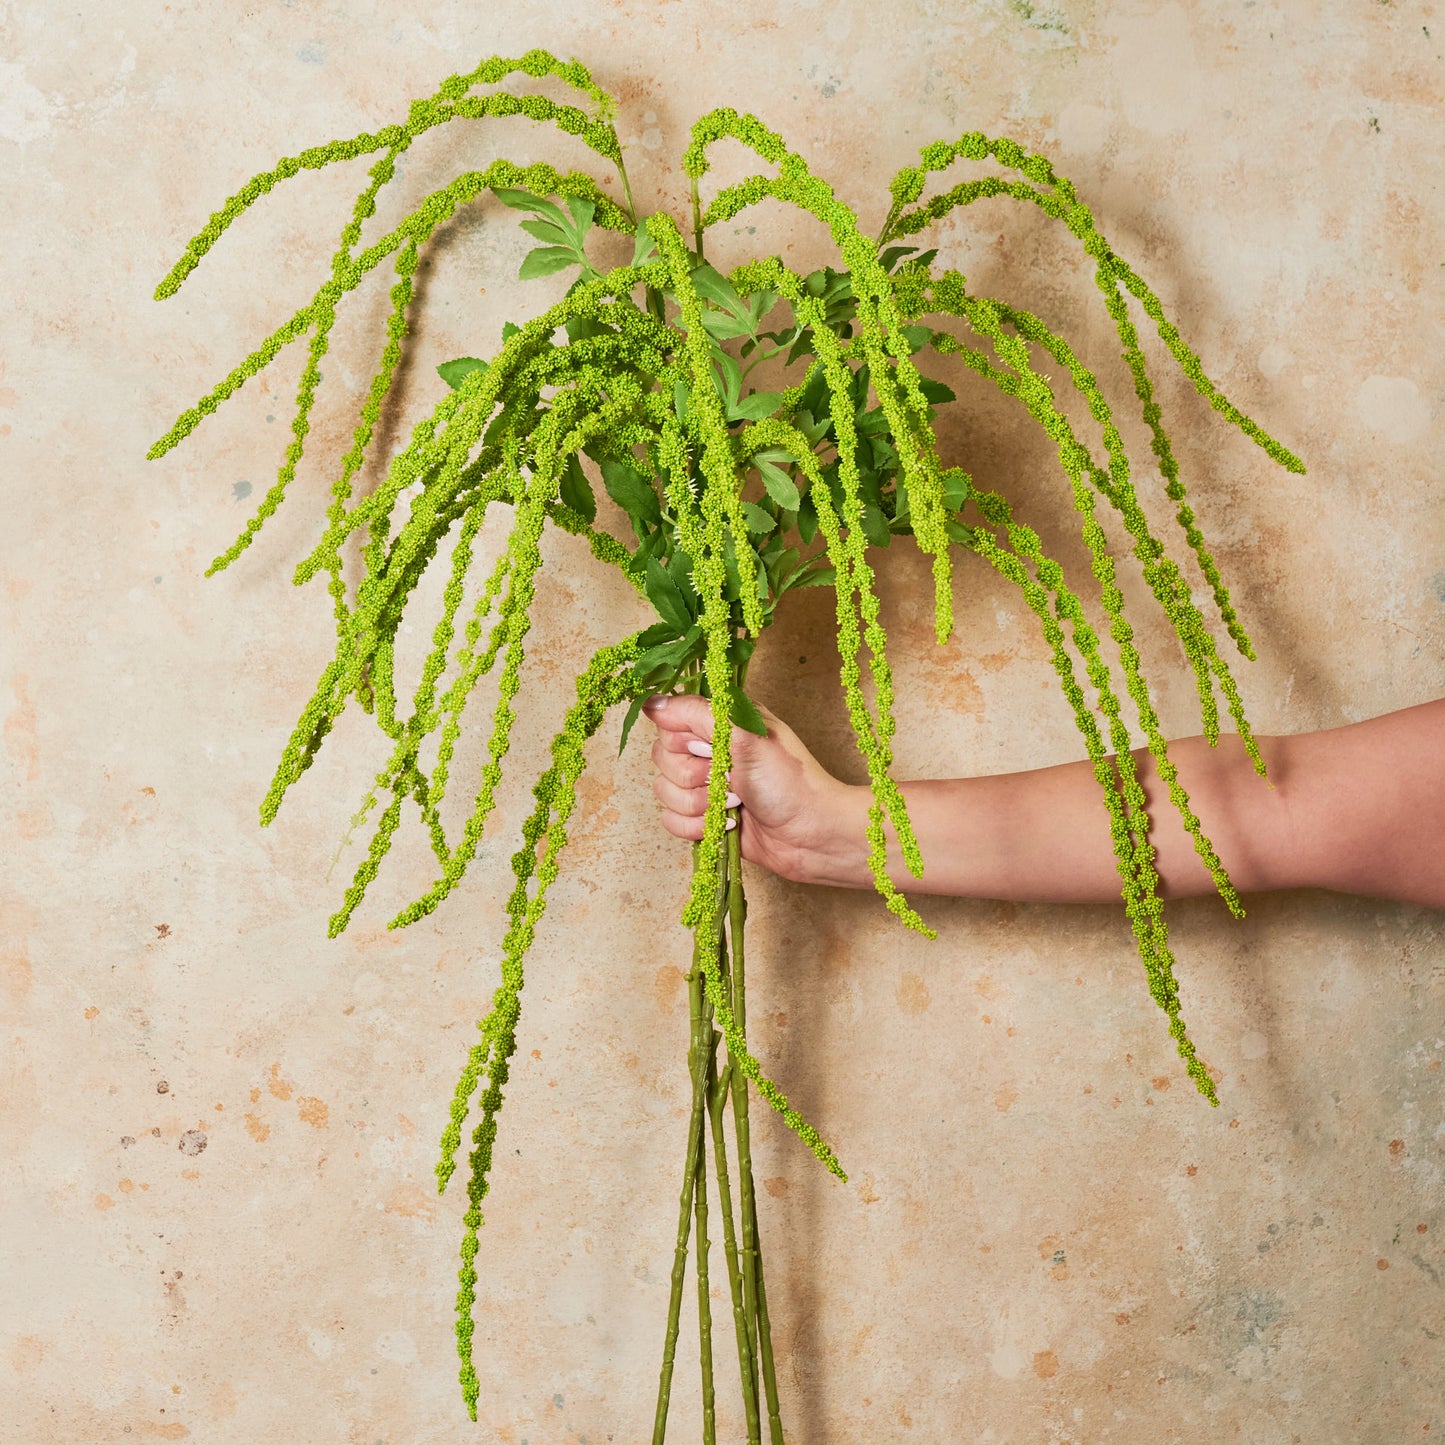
[[752, 1269], [699, 1058], [685, 1203], [747, 1340]]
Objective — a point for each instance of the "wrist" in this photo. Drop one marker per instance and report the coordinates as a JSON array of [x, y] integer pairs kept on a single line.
[[836, 853]]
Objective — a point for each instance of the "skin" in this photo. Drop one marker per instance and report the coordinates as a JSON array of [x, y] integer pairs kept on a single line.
[[1357, 809]]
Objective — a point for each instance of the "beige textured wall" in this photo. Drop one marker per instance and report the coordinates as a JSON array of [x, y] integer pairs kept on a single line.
[[218, 1128]]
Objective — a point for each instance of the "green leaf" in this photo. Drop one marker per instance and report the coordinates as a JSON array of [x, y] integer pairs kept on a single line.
[[634, 494], [655, 635], [875, 526], [732, 380], [679, 568], [669, 654], [714, 287], [780, 486], [546, 231], [545, 260], [936, 391], [723, 327], [579, 328], [455, 372], [818, 577], [643, 246], [745, 714], [807, 519], [663, 594], [576, 491], [917, 337], [759, 521], [955, 491], [526, 201], [634, 711], [757, 406], [582, 213], [509, 330]]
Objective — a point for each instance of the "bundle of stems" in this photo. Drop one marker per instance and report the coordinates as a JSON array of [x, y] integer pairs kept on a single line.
[[733, 498]]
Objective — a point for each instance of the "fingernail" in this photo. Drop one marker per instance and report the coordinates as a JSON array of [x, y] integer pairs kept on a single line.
[[731, 823], [698, 748], [733, 801], [654, 704]]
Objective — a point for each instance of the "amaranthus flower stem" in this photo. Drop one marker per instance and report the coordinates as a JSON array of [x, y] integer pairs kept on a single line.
[[752, 1274], [746, 1338], [698, 1064], [700, 1055]]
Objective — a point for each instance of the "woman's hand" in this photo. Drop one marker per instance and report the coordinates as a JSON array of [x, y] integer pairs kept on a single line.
[[792, 809]]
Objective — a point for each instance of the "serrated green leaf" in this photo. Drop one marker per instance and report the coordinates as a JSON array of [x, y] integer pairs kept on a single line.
[[875, 526], [545, 260], [655, 635], [455, 372], [509, 330], [679, 568], [663, 594], [713, 286], [917, 337], [807, 520], [935, 391], [723, 327], [634, 494], [576, 491], [818, 577], [582, 214], [643, 246], [755, 407], [956, 491], [634, 711], [526, 201], [745, 714], [760, 522], [780, 486], [546, 231]]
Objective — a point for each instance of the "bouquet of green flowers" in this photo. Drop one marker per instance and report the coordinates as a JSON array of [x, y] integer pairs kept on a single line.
[[637, 381]]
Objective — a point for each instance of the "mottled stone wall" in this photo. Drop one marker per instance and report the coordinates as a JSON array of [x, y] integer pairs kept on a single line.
[[218, 1214]]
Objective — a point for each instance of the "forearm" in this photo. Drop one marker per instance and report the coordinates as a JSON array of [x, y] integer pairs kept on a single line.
[[1043, 835], [1358, 809]]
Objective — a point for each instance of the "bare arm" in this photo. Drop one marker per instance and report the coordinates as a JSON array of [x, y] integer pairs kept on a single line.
[[1357, 809]]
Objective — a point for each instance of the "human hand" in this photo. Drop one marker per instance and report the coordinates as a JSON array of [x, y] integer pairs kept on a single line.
[[792, 809]]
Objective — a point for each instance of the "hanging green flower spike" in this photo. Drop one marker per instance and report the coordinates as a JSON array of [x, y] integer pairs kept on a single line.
[[733, 497]]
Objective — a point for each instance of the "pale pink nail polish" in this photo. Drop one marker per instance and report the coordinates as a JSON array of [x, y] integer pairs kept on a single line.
[[731, 823], [733, 801], [699, 749]]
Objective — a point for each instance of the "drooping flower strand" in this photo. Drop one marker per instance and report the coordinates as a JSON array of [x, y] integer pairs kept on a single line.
[[1160, 572], [854, 575], [1135, 854], [878, 321], [1033, 390], [1110, 270], [598, 689], [447, 104]]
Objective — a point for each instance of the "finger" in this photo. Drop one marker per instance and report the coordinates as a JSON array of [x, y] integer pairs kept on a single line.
[[678, 743], [681, 713], [688, 802], [683, 769], [689, 828]]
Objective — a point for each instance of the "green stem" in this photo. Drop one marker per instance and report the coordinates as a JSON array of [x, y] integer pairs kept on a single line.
[[685, 1204], [752, 1268], [747, 1349], [696, 220], [702, 1049]]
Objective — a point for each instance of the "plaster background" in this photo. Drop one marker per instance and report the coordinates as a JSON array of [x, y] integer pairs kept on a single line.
[[1047, 1235]]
